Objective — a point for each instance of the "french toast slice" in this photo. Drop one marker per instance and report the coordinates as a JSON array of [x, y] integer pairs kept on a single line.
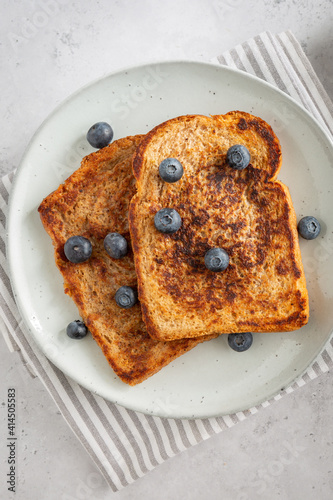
[[246, 212], [93, 202]]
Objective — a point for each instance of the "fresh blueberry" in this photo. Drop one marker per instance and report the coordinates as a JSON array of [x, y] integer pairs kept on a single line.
[[100, 135], [115, 245], [216, 259], [126, 297], [240, 341], [238, 156], [76, 329], [77, 249], [309, 227], [167, 220], [171, 170]]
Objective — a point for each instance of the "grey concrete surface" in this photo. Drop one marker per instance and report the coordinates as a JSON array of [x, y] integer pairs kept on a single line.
[[50, 48]]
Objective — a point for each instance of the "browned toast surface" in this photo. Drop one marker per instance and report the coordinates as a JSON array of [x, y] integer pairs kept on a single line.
[[92, 202], [246, 212]]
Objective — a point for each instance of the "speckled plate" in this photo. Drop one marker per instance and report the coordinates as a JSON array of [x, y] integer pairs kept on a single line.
[[211, 379]]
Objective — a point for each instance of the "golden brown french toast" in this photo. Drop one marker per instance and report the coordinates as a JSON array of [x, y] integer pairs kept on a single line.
[[93, 202], [247, 213]]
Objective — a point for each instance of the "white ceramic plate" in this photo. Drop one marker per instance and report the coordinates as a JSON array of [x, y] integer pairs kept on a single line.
[[211, 379]]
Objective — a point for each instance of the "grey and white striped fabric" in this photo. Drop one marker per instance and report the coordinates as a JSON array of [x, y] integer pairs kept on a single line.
[[125, 444]]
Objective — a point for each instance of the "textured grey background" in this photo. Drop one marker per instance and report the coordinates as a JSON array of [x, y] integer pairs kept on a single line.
[[48, 49]]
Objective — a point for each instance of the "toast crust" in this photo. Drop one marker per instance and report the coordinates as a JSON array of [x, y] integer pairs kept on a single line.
[[92, 202], [248, 213]]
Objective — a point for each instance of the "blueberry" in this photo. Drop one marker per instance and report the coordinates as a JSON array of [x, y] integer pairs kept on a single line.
[[100, 135], [216, 259], [238, 156], [77, 249], [171, 170], [240, 341], [126, 297], [167, 220], [115, 245], [76, 329], [309, 227]]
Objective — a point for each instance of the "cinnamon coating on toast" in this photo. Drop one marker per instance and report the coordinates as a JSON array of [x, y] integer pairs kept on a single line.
[[93, 202], [246, 212]]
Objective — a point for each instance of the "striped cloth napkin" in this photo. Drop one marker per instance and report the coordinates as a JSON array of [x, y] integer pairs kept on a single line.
[[125, 444]]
